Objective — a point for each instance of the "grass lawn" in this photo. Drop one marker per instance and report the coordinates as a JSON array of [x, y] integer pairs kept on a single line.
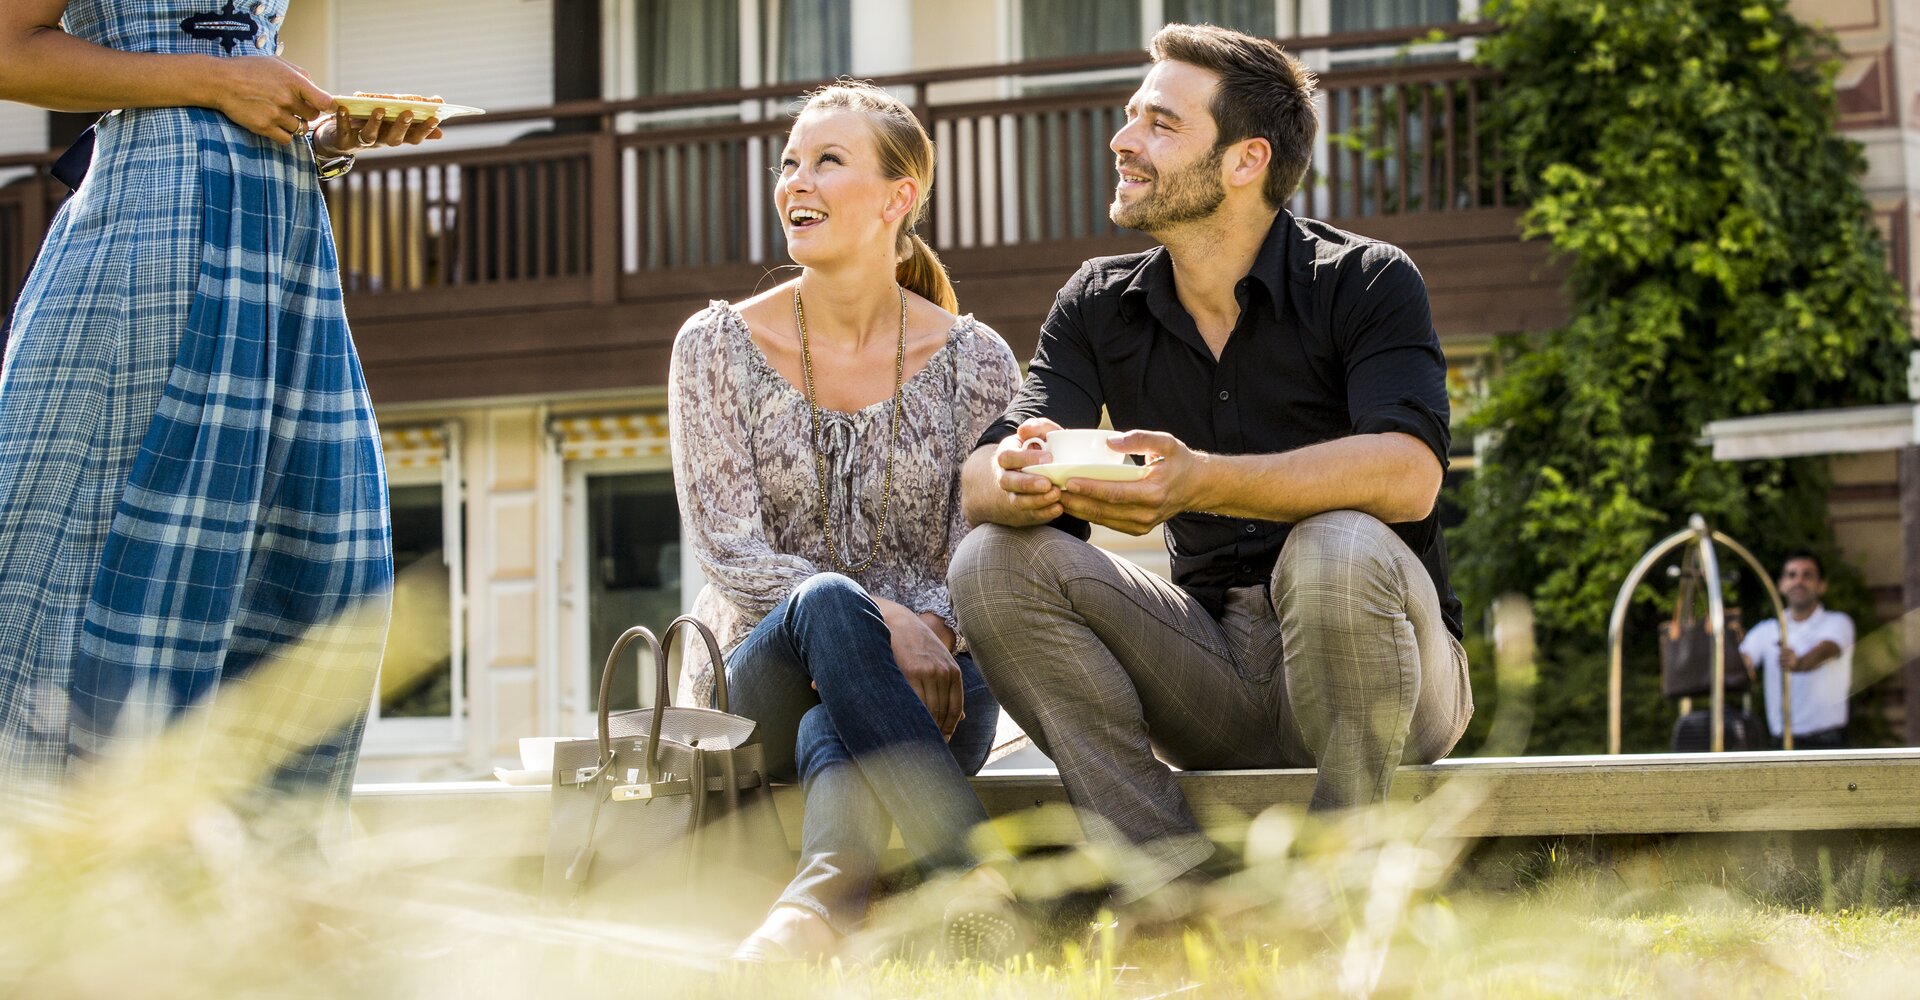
[[184, 901], [1519, 948]]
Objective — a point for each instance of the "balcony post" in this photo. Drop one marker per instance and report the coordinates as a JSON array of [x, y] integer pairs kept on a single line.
[[37, 203], [605, 218], [923, 110], [1909, 644]]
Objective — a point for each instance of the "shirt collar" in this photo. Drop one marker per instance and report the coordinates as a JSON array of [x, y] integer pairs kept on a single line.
[[1818, 610], [1278, 258], [1278, 262]]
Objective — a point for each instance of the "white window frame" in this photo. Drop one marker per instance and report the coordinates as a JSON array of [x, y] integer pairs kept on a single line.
[[620, 80], [1004, 188], [1152, 18], [447, 734], [576, 694], [1014, 49], [867, 49], [1316, 18], [620, 61]]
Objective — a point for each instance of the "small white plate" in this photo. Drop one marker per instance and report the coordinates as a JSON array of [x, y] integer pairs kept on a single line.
[[363, 107], [520, 777], [1060, 472]]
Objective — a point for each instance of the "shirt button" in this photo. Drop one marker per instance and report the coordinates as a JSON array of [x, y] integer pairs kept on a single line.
[[1224, 394], [1250, 529]]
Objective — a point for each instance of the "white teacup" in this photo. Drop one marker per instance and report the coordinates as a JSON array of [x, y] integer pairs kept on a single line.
[[536, 752], [1083, 447]]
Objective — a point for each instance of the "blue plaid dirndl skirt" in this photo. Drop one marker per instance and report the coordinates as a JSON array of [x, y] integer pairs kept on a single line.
[[191, 489]]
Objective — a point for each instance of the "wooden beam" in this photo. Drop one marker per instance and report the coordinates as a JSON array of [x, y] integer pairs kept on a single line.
[[1632, 794], [1468, 798], [1910, 582], [552, 336]]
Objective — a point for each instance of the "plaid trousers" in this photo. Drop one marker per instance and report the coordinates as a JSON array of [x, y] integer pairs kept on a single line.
[[1342, 663]]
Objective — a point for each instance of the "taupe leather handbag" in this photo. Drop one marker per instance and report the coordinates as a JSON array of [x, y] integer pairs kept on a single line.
[[668, 803], [1686, 647]]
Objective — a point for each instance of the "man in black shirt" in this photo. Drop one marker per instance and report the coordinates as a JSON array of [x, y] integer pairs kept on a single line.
[[1284, 384]]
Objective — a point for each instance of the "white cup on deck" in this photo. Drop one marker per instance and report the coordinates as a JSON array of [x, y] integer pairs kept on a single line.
[[536, 752], [1083, 447]]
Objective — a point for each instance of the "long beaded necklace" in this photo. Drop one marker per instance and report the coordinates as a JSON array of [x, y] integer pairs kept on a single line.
[[820, 456]]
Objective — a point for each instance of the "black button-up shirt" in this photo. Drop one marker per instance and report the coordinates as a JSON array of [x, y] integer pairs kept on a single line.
[[1334, 338]]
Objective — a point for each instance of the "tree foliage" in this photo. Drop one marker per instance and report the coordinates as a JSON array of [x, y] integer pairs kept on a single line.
[[1682, 157]]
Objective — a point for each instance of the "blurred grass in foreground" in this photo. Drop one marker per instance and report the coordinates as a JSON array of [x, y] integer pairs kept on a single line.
[[197, 918], [149, 881]]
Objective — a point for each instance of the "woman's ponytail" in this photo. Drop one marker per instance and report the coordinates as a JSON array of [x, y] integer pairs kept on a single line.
[[922, 274]]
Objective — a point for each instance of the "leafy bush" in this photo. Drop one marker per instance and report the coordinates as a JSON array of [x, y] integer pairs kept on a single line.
[[1682, 157]]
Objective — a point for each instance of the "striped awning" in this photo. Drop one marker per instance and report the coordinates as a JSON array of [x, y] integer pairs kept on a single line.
[[612, 435], [415, 446]]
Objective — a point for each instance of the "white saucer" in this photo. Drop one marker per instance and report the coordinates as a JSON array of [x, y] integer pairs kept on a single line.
[[521, 777], [1060, 472]]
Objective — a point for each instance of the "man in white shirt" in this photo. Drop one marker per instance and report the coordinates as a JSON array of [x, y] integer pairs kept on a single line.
[[1819, 657]]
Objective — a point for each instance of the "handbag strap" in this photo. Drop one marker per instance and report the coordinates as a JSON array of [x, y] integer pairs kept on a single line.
[[1689, 580], [714, 655], [660, 700]]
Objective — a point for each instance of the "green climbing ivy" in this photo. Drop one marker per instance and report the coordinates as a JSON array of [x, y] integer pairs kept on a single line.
[[1682, 157]]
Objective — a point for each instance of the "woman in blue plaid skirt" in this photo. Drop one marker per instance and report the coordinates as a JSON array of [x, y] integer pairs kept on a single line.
[[191, 489]]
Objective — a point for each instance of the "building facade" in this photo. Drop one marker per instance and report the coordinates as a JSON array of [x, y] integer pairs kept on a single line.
[[514, 290]]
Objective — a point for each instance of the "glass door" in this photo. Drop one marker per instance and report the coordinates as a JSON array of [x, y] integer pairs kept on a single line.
[[625, 567], [422, 711]]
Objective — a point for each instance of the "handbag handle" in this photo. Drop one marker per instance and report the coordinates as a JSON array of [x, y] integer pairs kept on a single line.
[[713, 654], [1683, 609], [660, 700]]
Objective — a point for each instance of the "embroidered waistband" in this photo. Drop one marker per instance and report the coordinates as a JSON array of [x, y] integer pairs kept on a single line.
[[228, 26]]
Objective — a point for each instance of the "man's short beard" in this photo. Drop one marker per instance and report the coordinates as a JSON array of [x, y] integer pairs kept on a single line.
[[1185, 195]]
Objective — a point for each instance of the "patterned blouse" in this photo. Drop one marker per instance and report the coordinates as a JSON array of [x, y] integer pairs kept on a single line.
[[748, 483]]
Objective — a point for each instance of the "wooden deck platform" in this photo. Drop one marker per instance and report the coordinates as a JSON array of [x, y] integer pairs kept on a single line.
[[1802, 791]]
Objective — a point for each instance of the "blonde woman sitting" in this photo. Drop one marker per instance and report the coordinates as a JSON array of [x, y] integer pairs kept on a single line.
[[818, 431]]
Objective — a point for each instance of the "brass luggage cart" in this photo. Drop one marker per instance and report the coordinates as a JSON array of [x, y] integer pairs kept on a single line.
[[1697, 533]]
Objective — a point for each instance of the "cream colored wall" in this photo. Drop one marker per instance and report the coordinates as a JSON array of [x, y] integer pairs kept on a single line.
[[1880, 71], [508, 572], [494, 54], [23, 129], [1904, 19], [946, 33], [308, 33], [877, 28], [1148, 551], [1865, 511]]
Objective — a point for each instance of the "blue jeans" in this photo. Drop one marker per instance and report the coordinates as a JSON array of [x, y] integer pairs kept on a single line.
[[865, 750]]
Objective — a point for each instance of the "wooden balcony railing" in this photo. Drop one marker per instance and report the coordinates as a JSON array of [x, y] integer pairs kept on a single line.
[[605, 202], [26, 207]]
